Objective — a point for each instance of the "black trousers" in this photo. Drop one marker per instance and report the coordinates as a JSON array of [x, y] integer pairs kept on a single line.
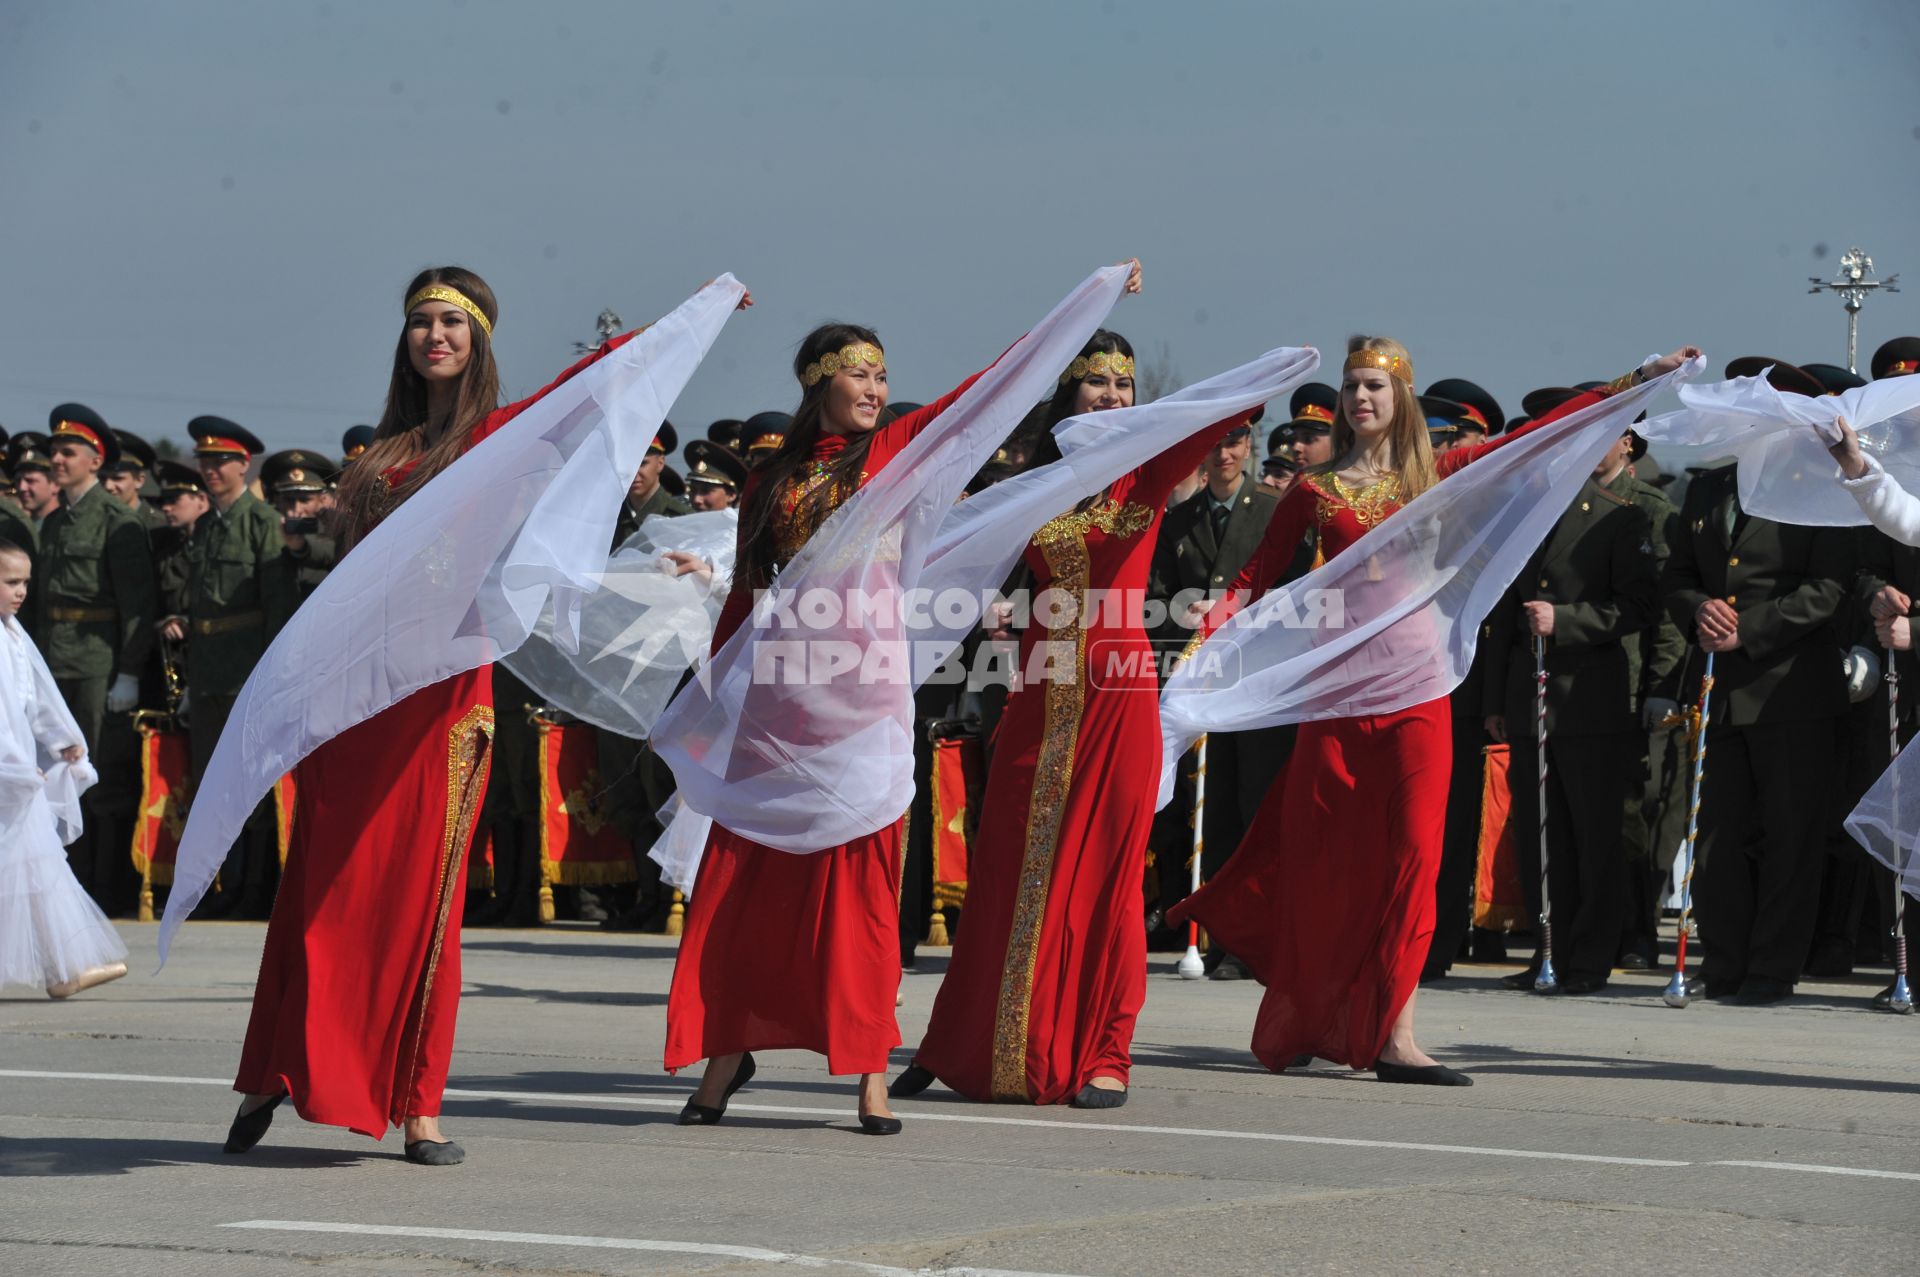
[[1763, 821], [1588, 778], [251, 874], [1460, 839]]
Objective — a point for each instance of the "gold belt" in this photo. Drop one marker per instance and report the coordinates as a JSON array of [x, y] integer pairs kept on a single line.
[[82, 614], [227, 624]]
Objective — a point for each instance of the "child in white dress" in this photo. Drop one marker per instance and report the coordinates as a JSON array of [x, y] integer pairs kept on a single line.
[[52, 934]]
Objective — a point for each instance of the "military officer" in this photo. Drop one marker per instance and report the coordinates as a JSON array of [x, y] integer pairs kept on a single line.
[[714, 475], [763, 434], [240, 592], [1589, 589], [298, 481], [126, 477], [1762, 597], [354, 442], [645, 495], [1889, 585], [34, 491], [726, 432], [96, 628], [1460, 414]]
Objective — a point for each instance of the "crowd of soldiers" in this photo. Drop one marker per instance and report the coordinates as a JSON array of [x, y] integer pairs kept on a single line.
[[157, 586]]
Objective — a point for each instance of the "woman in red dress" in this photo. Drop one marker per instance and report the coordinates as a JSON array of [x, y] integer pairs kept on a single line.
[[1329, 899], [1050, 969], [787, 951], [353, 1014]]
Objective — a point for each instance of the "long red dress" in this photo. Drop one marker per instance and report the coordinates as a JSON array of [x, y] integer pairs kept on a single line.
[[359, 987], [787, 951], [1050, 968], [1329, 899]]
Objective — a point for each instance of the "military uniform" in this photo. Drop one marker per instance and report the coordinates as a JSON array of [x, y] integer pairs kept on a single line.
[[1776, 702], [240, 592], [96, 615], [1597, 569], [1203, 544], [296, 474], [1656, 802]]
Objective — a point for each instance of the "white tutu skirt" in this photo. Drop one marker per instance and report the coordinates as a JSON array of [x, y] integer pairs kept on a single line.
[[50, 929]]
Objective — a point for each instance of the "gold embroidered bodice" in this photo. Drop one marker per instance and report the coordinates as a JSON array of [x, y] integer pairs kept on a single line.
[[1110, 516], [1369, 503], [800, 514]]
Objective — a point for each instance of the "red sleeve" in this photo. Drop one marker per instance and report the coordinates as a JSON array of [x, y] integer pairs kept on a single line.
[[501, 416], [1155, 481], [1448, 462], [1281, 541]]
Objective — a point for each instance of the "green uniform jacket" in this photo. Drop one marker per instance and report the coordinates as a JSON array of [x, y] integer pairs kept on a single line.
[[1786, 582], [241, 593], [1597, 569], [311, 568], [94, 558], [661, 502], [1188, 556]]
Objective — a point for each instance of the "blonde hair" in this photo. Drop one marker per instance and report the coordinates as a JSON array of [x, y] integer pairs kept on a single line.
[[1412, 451]]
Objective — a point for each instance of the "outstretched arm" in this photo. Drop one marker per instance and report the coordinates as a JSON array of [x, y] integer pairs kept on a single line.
[[1887, 505]]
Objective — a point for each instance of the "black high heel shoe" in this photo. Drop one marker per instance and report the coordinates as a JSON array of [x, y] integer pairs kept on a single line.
[[700, 1115], [912, 1080], [248, 1128], [873, 1124]]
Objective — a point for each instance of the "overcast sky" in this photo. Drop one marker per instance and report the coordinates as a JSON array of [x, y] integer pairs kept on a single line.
[[215, 207]]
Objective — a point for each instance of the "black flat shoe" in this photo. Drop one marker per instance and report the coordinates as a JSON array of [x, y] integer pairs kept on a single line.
[[247, 1128], [1094, 1097], [875, 1125], [435, 1153], [700, 1115], [1578, 985], [1428, 1075], [912, 1080], [1521, 981]]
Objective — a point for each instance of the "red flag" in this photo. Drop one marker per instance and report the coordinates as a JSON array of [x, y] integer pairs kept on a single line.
[[956, 771], [1498, 901], [579, 847], [165, 788]]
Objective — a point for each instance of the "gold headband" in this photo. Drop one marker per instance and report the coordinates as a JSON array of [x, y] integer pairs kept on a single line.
[[442, 293], [1101, 363], [1395, 364], [844, 359]]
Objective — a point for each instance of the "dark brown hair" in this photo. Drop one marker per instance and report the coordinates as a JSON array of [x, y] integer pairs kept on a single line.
[[404, 432], [758, 556]]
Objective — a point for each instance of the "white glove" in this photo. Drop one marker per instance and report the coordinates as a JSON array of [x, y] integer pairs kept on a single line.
[[124, 696], [1656, 710], [1862, 670]]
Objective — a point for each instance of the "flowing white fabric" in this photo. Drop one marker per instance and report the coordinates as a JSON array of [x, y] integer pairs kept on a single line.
[[641, 631], [1787, 475], [50, 929], [973, 549], [1780, 441], [681, 846], [1391, 621], [454, 578], [798, 733]]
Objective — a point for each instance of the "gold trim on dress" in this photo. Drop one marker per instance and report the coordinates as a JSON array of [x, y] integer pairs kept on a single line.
[[1063, 541], [469, 742], [1370, 502]]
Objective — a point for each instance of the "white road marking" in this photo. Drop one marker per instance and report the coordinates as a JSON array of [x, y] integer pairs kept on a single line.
[[1811, 1169], [988, 1119], [754, 1253]]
